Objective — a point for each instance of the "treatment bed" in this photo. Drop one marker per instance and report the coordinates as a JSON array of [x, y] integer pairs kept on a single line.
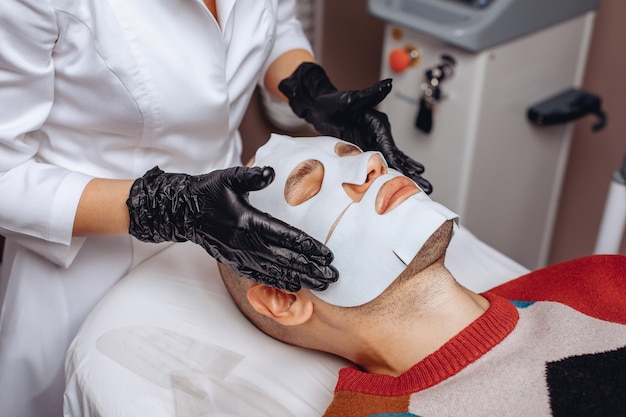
[[168, 341]]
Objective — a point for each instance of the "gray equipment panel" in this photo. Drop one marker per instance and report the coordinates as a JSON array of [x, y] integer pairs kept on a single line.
[[475, 25]]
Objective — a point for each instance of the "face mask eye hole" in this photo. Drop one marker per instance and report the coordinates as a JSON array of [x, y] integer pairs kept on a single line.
[[346, 149], [304, 182]]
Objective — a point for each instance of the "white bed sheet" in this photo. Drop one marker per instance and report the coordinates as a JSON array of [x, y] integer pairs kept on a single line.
[[168, 341]]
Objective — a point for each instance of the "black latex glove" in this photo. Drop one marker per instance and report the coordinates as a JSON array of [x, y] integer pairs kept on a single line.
[[348, 115], [212, 210]]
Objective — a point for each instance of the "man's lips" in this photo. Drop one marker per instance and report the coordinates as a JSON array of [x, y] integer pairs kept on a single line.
[[393, 193]]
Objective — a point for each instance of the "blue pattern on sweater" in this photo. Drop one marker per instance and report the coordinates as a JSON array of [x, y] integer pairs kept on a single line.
[[522, 304]]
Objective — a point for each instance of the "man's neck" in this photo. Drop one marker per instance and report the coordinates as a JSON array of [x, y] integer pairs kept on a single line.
[[418, 326]]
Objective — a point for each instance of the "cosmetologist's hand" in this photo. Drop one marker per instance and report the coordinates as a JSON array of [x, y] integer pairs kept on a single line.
[[348, 115], [212, 210]]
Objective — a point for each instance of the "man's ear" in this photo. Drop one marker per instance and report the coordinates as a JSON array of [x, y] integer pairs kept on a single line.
[[287, 308]]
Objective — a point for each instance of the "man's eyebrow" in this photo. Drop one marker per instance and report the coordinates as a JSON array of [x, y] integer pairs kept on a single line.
[[302, 171], [345, 149]]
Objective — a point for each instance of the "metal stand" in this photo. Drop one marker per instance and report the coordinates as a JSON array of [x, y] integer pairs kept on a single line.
[[614, 218]]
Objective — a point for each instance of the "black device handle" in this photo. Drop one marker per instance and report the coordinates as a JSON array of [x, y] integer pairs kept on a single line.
[[567, 106]]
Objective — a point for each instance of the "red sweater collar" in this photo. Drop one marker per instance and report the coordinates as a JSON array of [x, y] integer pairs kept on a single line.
[[470, 344]]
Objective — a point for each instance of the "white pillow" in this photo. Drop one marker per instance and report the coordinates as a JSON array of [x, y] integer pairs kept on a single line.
[[163, 341]]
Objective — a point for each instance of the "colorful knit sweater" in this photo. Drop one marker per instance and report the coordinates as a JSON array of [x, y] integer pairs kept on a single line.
[[558, 348]]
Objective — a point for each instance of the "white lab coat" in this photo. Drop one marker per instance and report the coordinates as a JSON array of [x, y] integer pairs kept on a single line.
[[105, 88]]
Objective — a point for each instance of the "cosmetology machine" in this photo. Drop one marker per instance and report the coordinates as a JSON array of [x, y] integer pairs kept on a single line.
[[482, 93]]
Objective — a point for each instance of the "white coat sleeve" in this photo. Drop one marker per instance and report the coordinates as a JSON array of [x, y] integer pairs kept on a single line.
[[38, 201], [289, 32], [289, 35]]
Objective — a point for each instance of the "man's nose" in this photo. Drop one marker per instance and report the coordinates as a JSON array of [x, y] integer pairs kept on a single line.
[[375, 168]]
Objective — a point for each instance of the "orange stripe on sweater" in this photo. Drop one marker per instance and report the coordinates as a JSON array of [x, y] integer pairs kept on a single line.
[[353, 404]]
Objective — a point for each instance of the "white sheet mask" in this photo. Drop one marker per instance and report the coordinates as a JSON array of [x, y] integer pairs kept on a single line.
[[370, 249]]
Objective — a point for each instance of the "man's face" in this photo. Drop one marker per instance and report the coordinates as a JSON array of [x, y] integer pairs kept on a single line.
[[373, 218]]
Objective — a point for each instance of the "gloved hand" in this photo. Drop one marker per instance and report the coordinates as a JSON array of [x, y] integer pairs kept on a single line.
[[212, 210], [348, 115]]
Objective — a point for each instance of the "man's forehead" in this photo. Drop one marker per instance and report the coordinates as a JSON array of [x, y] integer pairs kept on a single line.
[[286, 154], [289, 149]]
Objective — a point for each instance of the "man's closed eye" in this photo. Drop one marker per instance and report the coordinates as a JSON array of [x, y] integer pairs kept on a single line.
[[304, 182]]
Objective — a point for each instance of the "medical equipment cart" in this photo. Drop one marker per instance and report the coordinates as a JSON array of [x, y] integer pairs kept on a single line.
[[466, 75]]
